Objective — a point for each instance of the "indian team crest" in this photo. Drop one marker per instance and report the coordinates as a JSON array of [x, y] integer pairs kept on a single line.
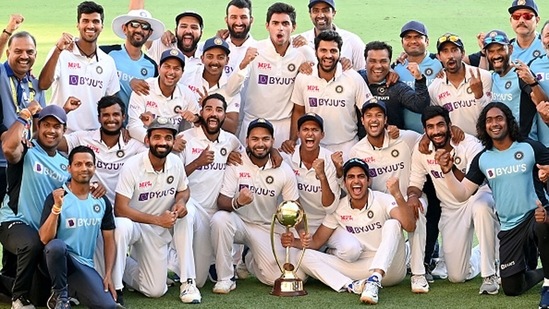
[[143, 14], [63, 166], [370, 214], [519, 155], [429, 72], [521, 2], [269, 179], [395, 153], [144, 72], [291, 67], [536, 53], [96, 208], [381, 90], [339, 89], [223, 151], [162, 120], [174, 52], [457, 160], [508, 84], [99, 69], [177, 109], [469, 90], [218, 41], [170, 179], [493, 34], [120, 153]]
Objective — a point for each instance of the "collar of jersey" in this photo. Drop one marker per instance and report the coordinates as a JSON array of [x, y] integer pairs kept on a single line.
[[156, 89], [149, 168], [202, 136]]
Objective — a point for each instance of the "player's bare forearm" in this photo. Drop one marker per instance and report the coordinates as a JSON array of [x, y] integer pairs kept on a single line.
[[46, 75], [183, 196], [48, 230], [11, 144], [406, 213], [224, 203], [413, 191], [109, 248], [122, 209], [328, 196]]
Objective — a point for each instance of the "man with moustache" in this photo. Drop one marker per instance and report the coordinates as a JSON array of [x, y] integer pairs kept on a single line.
[[459, 218], [249, 196], [322, 13], [333, 94], [136, 28], [517, 191], [463, 90], [77, 68]]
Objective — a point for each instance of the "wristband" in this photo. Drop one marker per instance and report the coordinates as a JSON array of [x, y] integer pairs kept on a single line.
[[234, 204], [59, 49], [534, 84], [23, 121], [56, 210], [412, 195], [7, 32]]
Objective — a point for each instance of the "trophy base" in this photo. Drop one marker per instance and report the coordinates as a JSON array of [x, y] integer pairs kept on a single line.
[[288, 287]]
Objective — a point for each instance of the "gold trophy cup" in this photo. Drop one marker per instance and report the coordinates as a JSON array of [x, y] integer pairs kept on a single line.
[[288, 214]]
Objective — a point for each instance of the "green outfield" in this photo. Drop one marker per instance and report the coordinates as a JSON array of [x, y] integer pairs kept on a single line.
[[372, 20]]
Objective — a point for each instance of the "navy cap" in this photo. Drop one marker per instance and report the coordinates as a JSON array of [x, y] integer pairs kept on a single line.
[[172, 53], [355, 162], [162, 123], [53, 111], [216, 42], [329, 2], [260, 123], [523, 4], [450, 37], [495, 36], [192, 14], [415, 26], [310, 117], [373, 102]]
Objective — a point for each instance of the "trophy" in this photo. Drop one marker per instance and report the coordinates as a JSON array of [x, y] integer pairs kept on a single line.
[[289, 214]]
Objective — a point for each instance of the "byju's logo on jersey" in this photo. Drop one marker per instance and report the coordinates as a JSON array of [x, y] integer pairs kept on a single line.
[[317, 102], [75, 80], [492, 173], [38, 168], [263, 79], [363, 229], [70, 223]]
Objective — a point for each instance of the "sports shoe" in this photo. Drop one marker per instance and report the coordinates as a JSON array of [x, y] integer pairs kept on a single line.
[[428, 274], [59, 300], [544, 301], [119, 299], [419, 284], [489, 285], [371, 288], [241, 271], [356, 287], [224, 286], [22, 303], [189, 293], [440, 271]]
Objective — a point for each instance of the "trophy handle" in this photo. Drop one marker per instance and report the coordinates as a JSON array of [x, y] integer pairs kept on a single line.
[[306, 225], [273, 244]]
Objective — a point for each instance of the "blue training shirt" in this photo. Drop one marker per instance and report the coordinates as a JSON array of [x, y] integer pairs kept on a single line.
[[540, 68]]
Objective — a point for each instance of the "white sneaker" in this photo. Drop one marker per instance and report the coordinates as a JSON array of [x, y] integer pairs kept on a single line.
[[489, 285], [370, 293], [189, 293], [356, 287], [22, 303], [440, 271], [224, 286], [419, 284], [241, 271]]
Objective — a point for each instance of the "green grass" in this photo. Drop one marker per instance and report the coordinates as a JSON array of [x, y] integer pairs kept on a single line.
[[372, 20]]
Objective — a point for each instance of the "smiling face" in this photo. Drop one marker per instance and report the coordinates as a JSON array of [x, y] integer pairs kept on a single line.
[[438, 131], [214, 60], [111, 119], [377, 65], [499, 56], [188, 33], [82, 167], [170, 72], [90, 26], [322, 15], [50, 132], [239, 22], [374, 120], [135, 34], [260, 141], [356, 182], [327, 54], [414, 44], [213, 115], [310, 135], [160, 142], [496, 124], [21, 55]]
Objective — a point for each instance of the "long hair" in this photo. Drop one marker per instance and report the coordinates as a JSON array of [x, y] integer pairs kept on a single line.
[[512, 125]]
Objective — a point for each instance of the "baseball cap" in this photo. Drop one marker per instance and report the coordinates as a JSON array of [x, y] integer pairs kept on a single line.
[[53, 111], [156, 25], [172, 53], [260, 123], [415, 26], [495, 36], [449, 37], [162, 123], [355, 162], [216, 42], [329, 2], [373, 102], [310, 117], [192, 14], [523, 4]]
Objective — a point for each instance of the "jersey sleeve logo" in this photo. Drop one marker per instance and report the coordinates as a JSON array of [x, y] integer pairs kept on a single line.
[[457, 160]]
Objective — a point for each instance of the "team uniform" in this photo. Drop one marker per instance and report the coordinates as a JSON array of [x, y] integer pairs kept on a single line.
[[69, 255], [250, 224], [88, 79], [380, 237], [336, 102], [429, 67], [459, 219], [128, 69], [460, 101], [153, 193], [352, 48], [539, 66], [525, 55], [191, 63], [182, 99]]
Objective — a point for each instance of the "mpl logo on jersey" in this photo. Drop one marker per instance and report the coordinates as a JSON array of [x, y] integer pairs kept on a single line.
[[145, 196], [196, 151], [151, 104], [244, 175], [93, 147], [73, 65], [263, 79], [443, 95], [76, 80], [492, 173], [377, 171], [459, 104], [264, 65], [145, 184], [363, 229], [318, 102], [313, 88], [43, 170], [346, 218]]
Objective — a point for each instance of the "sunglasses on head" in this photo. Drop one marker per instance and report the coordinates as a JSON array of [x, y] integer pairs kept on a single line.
[[495, 39], [448, 38], [137, 24], [526, 16]]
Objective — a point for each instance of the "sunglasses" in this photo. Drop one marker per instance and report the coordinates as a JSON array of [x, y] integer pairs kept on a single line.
[[448, 38], [495, 39], [526, 16], [136, 24]]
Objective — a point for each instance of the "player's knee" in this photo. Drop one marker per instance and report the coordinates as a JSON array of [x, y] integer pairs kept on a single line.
[[348, 252], [56, 248], [153, 292], [220, 220], [124, 227], [392, 226]]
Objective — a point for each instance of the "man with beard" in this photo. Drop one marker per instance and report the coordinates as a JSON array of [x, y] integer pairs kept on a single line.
[[167, 99], [322, 13], [508, 164], [136, 27], [459, 218], [392, 157], [463, 90], [513, 84], [77, 68], [249, 196], [397, 96], [69, 246], [152, 201], [333, 94]]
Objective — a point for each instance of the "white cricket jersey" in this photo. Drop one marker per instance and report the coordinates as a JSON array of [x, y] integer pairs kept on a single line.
[[88, 79], [334, 101], [108, 161], [364, 224], [266, 183], [393, 159], [352, 48], [460, 102], [235, 58], [310, 193], [149, 191], [191, 63], [271, 81], [423, 165], [205, 182], [155, 102]]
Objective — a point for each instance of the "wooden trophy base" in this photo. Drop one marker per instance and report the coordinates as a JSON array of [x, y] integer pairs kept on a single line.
[[288, 287]]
